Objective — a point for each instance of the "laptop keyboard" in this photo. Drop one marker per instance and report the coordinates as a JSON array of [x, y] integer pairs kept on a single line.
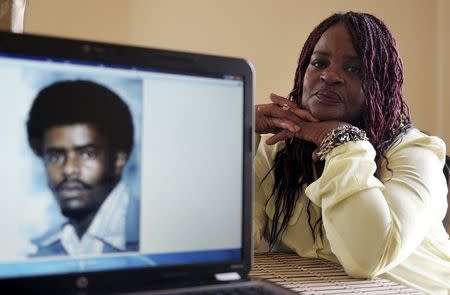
[[250, 290]]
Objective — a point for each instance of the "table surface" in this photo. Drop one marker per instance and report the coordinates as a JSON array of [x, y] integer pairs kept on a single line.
[[318, 276]]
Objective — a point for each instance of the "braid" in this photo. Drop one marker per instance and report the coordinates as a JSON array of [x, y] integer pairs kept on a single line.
[[382, 82], [382, 79]]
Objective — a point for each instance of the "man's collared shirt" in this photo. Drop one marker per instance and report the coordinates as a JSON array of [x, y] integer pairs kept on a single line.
[[107, 232]]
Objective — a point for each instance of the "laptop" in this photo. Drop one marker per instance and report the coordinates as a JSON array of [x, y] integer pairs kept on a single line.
[[125, 169]]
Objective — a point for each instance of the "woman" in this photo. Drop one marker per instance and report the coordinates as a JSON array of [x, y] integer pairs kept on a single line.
[[342, 174]]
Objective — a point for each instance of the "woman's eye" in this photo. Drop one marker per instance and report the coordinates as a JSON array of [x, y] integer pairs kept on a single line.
[[354, 70], [319, 64]]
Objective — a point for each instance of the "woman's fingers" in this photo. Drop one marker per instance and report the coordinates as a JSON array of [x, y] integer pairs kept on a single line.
[[273, 110], [315, 157], [308, 131], [286, 104], [290, 106], [273, 125], [304, 114], [280, 136], [271, 118], [285, 124], [282, 114]]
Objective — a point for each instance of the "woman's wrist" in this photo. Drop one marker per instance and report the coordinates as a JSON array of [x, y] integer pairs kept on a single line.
[[339, 136]]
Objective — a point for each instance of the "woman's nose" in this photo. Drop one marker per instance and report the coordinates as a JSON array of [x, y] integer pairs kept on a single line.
[[331, 77]]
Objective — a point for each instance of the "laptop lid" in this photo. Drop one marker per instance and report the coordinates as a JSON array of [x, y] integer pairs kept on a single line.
[[123, 166]]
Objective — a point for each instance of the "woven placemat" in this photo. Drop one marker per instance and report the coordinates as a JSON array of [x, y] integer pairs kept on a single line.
[[318, 276]]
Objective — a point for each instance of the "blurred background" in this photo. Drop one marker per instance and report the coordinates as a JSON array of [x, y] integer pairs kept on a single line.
[[268, 33]]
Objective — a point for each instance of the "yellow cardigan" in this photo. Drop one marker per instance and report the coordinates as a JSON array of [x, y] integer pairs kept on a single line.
[[390, 228]]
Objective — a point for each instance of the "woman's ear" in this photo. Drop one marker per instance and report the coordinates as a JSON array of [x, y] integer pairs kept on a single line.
[[119, 163]]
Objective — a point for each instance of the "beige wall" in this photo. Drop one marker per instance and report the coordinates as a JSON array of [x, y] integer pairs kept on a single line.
[[269, 33], [443, 71], [5, 14]]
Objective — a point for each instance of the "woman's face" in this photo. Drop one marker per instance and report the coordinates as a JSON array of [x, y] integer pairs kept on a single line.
[[332, 83]]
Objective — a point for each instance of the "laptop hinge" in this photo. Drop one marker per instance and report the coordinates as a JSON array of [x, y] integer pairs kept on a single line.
[[227, 276]]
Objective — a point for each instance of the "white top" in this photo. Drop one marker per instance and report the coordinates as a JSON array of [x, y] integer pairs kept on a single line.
[[390, 228]]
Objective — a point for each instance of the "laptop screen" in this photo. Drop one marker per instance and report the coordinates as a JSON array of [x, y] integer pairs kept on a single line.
[[109, 167]]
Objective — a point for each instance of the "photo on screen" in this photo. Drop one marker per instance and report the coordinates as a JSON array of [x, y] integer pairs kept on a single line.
[[71, 174]]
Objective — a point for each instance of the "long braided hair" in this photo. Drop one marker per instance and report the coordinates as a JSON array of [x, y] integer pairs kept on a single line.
[[386, 113]]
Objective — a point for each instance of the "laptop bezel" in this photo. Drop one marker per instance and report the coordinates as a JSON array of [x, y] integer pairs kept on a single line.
[[29, 45]]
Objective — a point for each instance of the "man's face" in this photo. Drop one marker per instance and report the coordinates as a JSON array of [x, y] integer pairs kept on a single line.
[[80, 168]]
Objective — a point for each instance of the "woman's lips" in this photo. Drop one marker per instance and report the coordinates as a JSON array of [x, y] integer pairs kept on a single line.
[[328, 97]]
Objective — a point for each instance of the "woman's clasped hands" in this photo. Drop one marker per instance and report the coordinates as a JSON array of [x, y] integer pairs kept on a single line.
[[285, 119]]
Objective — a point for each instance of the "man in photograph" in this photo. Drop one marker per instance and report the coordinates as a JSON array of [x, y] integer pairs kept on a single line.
[[83, 132]]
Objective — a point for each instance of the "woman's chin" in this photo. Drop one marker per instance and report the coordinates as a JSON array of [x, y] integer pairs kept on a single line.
[[323, 112], [324, 116]]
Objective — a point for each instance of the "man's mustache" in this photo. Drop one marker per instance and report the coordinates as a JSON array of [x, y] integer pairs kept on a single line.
[[72, 185]]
